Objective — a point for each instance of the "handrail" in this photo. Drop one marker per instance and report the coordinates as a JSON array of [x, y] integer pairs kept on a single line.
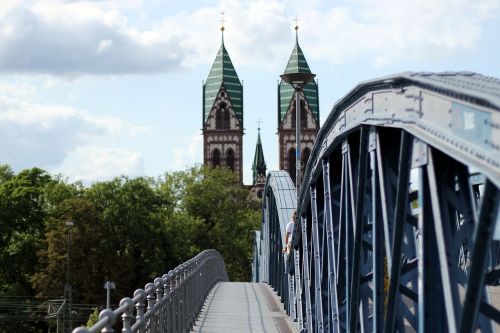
[[169, 303]]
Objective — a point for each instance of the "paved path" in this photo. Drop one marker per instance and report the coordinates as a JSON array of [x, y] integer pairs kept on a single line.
[[242, 307]]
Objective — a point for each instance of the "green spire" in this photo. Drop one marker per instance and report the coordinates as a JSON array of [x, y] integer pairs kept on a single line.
[[223, 74], [297, 64], [259, 164]]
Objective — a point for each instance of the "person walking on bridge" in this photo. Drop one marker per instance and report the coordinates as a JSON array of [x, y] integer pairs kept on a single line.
[[289, 233]]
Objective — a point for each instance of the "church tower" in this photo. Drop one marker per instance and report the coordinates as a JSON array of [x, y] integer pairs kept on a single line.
[[309, 115], [223, 115], [259, 170]]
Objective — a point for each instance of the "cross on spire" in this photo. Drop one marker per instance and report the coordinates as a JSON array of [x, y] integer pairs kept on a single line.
[[222, 21], [258, 123], [296, 19]]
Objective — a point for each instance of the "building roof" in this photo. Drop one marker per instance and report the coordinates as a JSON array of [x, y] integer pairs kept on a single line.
[[259, 164], [221, 74], [297, 64]]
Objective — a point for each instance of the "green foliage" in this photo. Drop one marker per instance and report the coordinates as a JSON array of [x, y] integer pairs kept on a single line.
[[228, 214], [93, 318], [124, 230], [22, 217], [6, 173]]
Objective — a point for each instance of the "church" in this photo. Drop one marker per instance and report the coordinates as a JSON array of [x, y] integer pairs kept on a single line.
[[223, 119]]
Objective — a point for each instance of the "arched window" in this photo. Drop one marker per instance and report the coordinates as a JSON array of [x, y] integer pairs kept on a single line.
[[291, 164], [215, 157], [218, 119], [222, 118], [303, 115], [227, 119], [230, 159]]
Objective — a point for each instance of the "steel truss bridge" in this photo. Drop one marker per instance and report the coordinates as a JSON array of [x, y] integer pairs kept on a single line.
[[399, 226]]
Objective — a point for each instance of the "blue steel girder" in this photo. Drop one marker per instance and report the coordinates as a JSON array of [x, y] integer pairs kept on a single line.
[[279, 202], [397, 231]]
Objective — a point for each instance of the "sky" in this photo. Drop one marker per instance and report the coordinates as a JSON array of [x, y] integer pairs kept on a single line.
[[97, 89]]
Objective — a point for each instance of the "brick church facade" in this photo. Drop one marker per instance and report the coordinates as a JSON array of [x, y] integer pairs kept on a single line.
[[223, 119]]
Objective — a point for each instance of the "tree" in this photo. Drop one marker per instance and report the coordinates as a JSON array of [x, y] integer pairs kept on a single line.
[[215, 197], [6, 173], [22, 223], [133, 212], [88, 264], [22, 216], [125, 230]]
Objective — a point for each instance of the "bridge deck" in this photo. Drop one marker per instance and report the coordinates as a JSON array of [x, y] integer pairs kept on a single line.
[[242, 307]]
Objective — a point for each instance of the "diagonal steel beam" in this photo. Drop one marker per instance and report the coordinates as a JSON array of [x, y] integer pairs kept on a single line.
[[482, 240], [399, 221], [450, 293], [359, 222], [377, 241], [317, 262], [306, 274], [332, 274]]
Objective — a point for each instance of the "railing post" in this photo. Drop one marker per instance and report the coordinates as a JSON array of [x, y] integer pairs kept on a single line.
[[127, 315], [112, 318], [184, 298], [151, 301], [139, 306], [171, 301], [166, 302], [178, 303], [190, 293], [159, 304]]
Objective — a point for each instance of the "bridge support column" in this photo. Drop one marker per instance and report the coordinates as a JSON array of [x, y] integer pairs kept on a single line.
[[332, 274], [306, 275], [318, 302], [430, 300], [298, 288], [377, 238], [401, 206], [359, 219], [347, 207]]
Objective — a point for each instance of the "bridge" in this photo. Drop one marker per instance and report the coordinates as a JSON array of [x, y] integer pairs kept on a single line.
[[398, 226]]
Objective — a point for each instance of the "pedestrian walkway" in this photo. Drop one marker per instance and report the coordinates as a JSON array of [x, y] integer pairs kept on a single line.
[[242, 307]]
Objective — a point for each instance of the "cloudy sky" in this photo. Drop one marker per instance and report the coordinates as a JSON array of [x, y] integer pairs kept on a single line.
[[96, 89]]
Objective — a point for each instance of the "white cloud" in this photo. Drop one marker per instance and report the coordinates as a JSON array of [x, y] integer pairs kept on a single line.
[[189, 152], [7, 5], [51, 136], [93, 163], [71, 38], [388, 30], [80, 38], [257, 33], [104, 45], [18, 90]]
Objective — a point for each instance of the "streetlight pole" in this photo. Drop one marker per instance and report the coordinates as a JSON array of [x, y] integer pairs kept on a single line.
[[108, 286], [298, 80], [298, 166], [67, 287]]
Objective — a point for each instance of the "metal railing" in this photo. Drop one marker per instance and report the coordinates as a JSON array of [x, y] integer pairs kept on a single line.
[[170, 303]]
